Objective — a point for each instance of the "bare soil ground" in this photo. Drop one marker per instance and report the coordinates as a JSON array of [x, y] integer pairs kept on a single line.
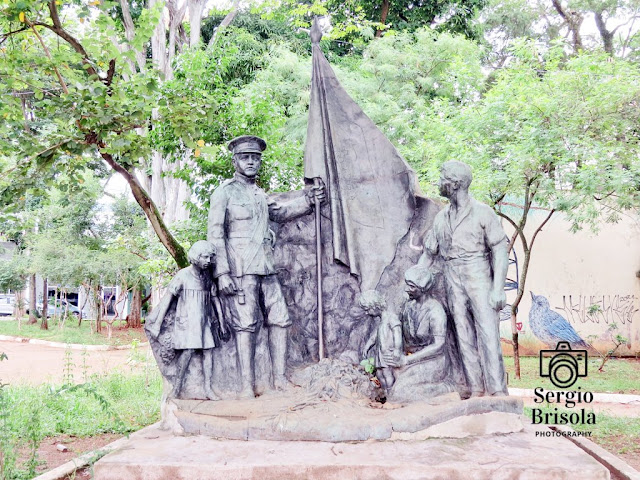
[[36, 364], [50, 457]]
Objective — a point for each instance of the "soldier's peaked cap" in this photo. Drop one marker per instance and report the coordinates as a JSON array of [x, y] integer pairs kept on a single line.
[[247, 144]]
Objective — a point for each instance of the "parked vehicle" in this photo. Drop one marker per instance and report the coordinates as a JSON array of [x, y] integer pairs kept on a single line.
[[58, 309], [7, 304]]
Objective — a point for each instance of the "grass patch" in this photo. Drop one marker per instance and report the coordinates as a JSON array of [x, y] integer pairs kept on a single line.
[[620, 375], [70, 332], [118, 403], [619, 435]]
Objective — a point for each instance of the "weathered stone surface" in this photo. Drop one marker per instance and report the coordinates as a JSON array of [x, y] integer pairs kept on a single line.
[[467, 426], [152, 454], [297, 415]]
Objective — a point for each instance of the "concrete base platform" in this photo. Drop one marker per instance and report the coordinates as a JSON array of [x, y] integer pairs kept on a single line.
[[153, 454]]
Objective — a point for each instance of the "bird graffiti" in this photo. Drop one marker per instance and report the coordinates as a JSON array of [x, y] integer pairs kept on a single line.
[[550, 327]]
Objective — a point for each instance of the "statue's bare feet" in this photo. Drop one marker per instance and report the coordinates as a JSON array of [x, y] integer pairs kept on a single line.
[[210, 394], [246, 393], [281, 383]]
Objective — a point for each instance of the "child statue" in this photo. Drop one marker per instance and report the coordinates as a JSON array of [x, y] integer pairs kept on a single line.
[[199, 324], [387, 337]]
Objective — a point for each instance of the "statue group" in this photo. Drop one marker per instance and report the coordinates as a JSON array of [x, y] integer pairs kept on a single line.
[[430, 326], [408, 288]]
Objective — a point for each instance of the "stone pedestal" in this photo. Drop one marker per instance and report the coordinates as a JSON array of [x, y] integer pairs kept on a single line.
[[295, 416], [153, 454]]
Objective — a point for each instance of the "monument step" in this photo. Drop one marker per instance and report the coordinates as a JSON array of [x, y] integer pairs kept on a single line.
[[153, 454]]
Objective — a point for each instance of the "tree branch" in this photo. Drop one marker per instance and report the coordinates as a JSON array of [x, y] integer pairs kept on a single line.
[[59, 30], [48, 54], [4, 36], [518, 231], [226, 21], [148, 206], [110, 72], [535, 234]]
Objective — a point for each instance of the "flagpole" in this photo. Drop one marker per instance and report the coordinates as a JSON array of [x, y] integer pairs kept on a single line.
[[317, 182], [316, 34]]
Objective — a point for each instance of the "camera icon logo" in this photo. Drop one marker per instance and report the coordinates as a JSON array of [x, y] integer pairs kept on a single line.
[[565, 366]]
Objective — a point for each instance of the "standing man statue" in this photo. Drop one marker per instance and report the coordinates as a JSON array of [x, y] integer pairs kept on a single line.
[[469, 240], [239, 228]]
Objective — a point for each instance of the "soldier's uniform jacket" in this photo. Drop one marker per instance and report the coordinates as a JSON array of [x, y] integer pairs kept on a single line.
[[239, 227]]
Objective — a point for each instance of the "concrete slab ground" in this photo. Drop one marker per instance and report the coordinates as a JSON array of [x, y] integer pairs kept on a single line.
[[153, 454]]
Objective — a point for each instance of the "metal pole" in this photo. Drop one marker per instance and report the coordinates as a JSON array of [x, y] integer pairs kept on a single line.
[[318, 182]]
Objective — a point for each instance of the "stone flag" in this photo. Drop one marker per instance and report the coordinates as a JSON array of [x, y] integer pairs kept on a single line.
[[370, 188]]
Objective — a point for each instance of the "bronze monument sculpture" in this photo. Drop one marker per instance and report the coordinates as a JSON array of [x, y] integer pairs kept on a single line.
[[374, 239], [375, 318]]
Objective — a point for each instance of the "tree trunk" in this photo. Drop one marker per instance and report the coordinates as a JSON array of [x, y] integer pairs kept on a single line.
[[607, 36], [44, 323], [56, 303], [514, 339], [574, 20], [99, 307], [176, 14], [129, 31], [195, 21], [158, 41], [32, 299], [18, 308], [383, 15], [134, 317]]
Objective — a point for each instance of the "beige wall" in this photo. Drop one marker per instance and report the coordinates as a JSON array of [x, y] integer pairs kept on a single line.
[[575, 271]]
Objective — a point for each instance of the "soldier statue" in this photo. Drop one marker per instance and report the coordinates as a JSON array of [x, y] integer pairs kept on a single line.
[[239, 228]]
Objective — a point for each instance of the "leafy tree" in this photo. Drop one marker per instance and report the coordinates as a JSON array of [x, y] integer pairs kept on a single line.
[[614, 27], [359, 21], [552, 137], [13, 277], [76, 100]]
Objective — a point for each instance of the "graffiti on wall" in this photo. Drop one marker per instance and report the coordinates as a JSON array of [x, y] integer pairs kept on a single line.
[[619, 309]]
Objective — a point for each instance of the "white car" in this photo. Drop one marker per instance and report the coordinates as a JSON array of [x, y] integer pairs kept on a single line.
[[6, 305]]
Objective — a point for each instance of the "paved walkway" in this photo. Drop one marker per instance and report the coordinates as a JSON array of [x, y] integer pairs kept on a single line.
[[613, 404], [35, 364]]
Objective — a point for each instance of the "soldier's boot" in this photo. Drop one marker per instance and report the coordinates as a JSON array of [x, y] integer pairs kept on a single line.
[[278, 349], [245, 347]]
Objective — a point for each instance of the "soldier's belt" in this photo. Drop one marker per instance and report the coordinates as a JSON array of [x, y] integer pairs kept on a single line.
[[466, 259]]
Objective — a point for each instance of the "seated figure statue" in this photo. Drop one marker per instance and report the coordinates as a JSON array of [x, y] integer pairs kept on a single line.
[[425, 369]]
